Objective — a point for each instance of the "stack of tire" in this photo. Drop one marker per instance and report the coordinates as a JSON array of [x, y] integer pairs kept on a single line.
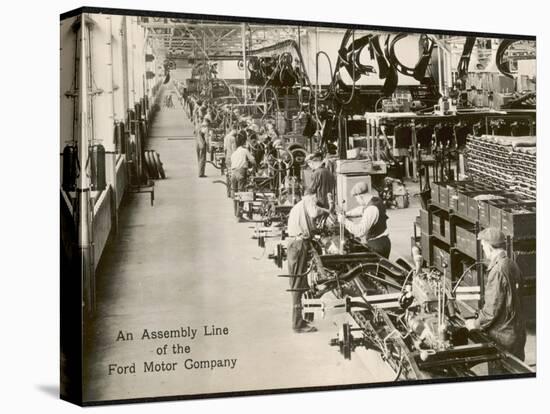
[[153, 165]]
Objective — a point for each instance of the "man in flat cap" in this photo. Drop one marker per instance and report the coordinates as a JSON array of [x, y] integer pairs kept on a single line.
[[501, 316], [372, 227], [301, 225]]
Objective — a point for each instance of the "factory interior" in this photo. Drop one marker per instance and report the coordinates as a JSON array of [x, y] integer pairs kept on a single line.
[[190, 148]]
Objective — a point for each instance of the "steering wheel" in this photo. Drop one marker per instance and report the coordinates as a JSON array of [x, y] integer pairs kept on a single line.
[[281, 162]]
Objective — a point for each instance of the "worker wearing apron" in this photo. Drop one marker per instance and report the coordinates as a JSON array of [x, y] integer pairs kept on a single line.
[[372, 228]]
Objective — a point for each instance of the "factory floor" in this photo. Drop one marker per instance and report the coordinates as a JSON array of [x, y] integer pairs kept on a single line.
[[186, 263]]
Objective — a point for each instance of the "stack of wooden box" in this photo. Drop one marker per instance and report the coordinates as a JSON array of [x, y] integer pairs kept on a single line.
[[508, 163]]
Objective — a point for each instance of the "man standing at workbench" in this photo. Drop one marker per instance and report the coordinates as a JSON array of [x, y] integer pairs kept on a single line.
[[371, 228], [501, 316], [301, 224]]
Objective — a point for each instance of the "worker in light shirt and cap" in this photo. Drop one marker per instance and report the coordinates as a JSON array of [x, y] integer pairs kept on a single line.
[[501, 316], [301, 225], [371, 228]]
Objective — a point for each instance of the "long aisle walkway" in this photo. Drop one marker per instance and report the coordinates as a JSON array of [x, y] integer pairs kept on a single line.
[[186, 263]]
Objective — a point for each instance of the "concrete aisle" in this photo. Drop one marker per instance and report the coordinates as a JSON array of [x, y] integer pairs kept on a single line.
[[186, 262]]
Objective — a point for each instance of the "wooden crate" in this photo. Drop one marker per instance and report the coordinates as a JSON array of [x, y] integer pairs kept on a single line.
[[353, 166], [466, 241], [441, 228], [527, 263], [440, 256], [435, 193], [519, 224], [424, 221]]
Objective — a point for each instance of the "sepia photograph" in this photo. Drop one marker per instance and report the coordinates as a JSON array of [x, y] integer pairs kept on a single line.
[[257, 206]]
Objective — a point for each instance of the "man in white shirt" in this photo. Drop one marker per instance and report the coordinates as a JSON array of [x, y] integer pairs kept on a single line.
[[372, 228], [230, 145], [241, 159], [301, 224]]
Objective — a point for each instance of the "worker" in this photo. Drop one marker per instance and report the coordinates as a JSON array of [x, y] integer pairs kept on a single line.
[[202, 138], [209, 116], [372, 228], [501, 316], [230, 144], [322, 180], [254, 147], [280, 143], [197, 117], [241, 159], [301, 224], [270, 131]]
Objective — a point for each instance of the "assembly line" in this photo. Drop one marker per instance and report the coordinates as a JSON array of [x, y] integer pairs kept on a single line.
[[298, 206]]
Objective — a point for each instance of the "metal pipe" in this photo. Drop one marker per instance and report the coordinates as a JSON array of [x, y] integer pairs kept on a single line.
[[245, 71], [133, 28], [83, 184], [439, 71], [111, 83], [125, 66]]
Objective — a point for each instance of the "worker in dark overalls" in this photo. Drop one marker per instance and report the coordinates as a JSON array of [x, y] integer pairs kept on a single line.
[[301, 224], [322, 180], [501, 316], [371, 228]]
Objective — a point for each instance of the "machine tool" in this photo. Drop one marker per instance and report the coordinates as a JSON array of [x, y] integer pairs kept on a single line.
[[412, 317]]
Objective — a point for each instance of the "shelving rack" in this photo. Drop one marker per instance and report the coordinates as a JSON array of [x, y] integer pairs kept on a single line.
[[453, 219]]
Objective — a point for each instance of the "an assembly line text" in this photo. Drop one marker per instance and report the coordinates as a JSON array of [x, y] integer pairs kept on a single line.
[[171, 354]]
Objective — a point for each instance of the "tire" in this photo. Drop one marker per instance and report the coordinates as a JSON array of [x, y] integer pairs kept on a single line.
[[154, 165], [159, 166], [149, 165]]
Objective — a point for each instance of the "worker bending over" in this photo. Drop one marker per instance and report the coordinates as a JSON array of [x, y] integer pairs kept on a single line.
[[301, 224], [501, 316], [372, 228]]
